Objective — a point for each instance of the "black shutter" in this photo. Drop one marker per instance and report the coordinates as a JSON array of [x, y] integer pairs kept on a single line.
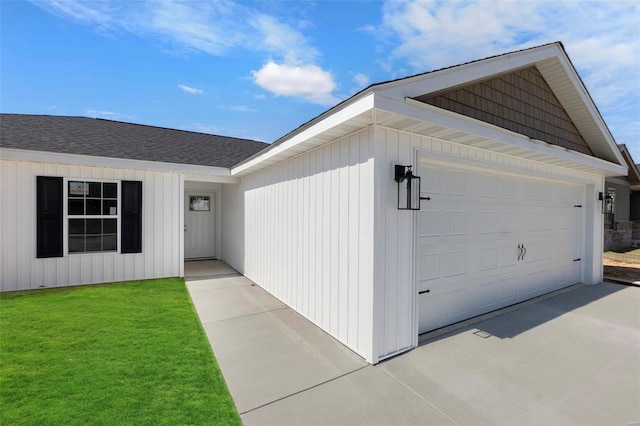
[[49, 216], [131, 222]]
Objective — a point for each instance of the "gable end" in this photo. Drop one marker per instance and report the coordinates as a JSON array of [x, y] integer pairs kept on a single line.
[[520, 101]]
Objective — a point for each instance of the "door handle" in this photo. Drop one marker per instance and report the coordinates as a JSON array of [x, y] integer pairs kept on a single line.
[[519, 252], [525, 252]]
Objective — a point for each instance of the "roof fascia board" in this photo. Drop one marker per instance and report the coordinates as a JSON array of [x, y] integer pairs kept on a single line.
[[572, 74], [220, 174], [467, 73], [428, 113], [352, 109], [633, 168]]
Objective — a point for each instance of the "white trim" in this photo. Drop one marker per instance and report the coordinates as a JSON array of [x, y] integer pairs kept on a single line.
[[213, 174], [465, 74], [67, 216], [589, 104], [278, 152], [428, 113], [181, 224]]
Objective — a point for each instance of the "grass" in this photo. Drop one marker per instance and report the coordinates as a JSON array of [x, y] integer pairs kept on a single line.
[[124, 353], [628, 256]]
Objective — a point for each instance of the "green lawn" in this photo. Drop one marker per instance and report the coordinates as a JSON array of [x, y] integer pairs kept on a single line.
[[124, 353]]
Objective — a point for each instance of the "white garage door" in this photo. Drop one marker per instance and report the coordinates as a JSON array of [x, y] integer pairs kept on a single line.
[[487, 240]]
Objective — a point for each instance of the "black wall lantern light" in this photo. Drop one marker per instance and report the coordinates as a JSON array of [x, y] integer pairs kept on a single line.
[[608, 202], [608, 207], [408, 188]]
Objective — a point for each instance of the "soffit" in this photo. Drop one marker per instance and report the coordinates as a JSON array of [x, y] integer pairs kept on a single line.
[[449, 126], [557, 71]]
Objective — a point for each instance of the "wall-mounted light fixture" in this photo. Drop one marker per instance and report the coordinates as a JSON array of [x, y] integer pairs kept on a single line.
[[408, 188], [608, 202]]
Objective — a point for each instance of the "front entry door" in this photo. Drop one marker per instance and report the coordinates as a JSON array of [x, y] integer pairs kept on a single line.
[[199, 225]]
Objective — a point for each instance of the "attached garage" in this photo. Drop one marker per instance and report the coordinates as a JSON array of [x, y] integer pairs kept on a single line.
[[487, 239], [511, 155]]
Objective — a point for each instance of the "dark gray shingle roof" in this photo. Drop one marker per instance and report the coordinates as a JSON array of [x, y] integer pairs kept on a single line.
[[106, 138]]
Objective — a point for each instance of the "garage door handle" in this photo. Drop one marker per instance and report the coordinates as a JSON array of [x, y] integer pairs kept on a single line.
[[522, 252], [424, 291]]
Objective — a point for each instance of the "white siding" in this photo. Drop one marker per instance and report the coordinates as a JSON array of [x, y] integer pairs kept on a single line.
[[19, 267], [233, 227], [309, 236], [394, 276]]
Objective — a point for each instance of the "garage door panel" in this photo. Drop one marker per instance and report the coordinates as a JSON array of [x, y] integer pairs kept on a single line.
[[488, 259], [429, 223], [508, 222], [441, 306], [508, 255], [454, 223], [453, 263], [454, 183], [468, 238]]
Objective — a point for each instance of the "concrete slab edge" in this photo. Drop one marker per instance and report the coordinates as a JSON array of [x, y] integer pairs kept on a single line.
[[435, 334], [306, 389], [621, 281], [210, 277]]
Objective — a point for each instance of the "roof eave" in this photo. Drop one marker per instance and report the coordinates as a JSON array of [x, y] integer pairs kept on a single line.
[[214, 174], [353, 114], [418, 117]]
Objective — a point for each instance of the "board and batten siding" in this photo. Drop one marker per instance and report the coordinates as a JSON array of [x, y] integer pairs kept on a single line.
[[395, 320], [308, 237], [161, 232], [233, 235]]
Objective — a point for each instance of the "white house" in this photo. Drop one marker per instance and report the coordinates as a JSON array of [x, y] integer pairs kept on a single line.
[[510, 150]]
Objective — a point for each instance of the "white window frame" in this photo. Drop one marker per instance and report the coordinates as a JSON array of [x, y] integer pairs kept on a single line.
[[67, 216]]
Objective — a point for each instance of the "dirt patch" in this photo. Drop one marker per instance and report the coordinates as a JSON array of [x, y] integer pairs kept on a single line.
[[623, 270]]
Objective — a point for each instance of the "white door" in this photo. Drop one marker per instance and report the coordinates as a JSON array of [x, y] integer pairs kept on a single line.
[[199, 225], [487, 240]]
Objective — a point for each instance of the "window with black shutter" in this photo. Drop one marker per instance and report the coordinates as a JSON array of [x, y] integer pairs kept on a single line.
[[99, 214], [92, 210]]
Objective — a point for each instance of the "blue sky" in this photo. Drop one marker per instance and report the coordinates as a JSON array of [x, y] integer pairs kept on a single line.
[[259, 69]]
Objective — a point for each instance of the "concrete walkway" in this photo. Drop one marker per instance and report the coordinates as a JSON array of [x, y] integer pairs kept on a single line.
[[569, 359]]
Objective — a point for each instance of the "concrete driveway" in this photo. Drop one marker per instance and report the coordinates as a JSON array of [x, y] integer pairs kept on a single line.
[[573, 358]]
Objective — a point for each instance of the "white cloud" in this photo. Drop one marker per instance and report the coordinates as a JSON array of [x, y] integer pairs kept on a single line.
[[215, 27], [308, 82], [242, 108], [283, 40], [601, 38], [361, 80], [109, 115], [203, 128], [96, 13], [213, 129], [211, 27], [189, 89]]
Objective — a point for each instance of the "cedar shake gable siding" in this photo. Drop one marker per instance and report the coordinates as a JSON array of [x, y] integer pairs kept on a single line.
[[521, 101], [106, 138]]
